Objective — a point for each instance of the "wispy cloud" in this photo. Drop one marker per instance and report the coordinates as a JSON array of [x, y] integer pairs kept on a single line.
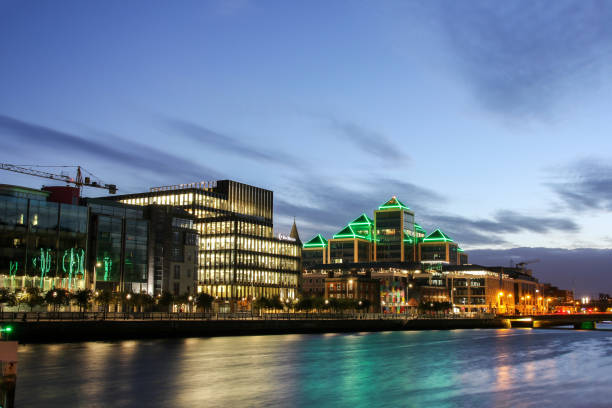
[[122, 152], [325, 207], [232, 145], [584, 185], [491, 231], [518, 55], [369, 141]]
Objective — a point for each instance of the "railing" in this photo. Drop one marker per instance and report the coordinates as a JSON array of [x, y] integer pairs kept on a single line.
[[93, 316]]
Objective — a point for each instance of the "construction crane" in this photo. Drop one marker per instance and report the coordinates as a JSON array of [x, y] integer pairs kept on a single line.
[[79, 181], [522, 264]]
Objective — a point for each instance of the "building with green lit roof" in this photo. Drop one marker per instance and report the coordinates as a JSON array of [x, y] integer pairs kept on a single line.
[[392, 236], [438, 247]]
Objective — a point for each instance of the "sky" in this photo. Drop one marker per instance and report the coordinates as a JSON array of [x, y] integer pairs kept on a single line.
[[490, 120]]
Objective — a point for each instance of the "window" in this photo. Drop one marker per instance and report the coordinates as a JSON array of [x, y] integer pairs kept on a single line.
[[177, 271], [176, 288]]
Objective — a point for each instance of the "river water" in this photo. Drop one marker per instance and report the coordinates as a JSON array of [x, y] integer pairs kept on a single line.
[[457, 368]]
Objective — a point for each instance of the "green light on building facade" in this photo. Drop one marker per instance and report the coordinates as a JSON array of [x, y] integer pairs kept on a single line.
[[74, 259], [13, 268], [43, 262], [362, 220], [392, 204], [437, 236], [419, 229], [317, 242], [349, 232]]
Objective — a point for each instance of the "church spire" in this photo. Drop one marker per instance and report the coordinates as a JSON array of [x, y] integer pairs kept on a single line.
[[294, 232]]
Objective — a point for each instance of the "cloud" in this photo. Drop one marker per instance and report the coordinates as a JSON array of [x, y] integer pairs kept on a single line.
[[586, 185], [490, 231], [586, 270], [369, 141], [324, 207], [113, 150], [230, 144], [518, 56]]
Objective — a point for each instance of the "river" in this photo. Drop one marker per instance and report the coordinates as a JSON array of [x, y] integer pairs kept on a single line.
[[456, 368]]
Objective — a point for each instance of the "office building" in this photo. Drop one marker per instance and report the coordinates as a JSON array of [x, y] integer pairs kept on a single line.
[[240, 259], [42, 243]]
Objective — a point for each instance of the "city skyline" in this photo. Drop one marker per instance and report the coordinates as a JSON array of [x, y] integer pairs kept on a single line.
[[488, 121]]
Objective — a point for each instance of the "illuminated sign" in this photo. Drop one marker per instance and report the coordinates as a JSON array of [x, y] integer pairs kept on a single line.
[[284, 237]]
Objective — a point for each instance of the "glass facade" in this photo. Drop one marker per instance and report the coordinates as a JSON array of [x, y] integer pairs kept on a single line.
[[239, 258], [42, 244], [119, 242], [389, 235]]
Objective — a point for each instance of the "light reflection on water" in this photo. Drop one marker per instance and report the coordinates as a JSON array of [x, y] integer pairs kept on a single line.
[[486, 368]]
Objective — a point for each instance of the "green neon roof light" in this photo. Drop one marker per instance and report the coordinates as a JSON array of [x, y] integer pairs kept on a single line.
[[349, 232], [408, 238], [460, 250], [393, 203], [420, 229], [317, 242], [362, 220], [438, 236]]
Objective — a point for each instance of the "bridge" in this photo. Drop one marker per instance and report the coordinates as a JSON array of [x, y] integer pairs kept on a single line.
[[580, 321]]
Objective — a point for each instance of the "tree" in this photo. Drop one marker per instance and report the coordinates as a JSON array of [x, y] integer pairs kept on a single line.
[[276, 303], [143, 301], [318, 303], [364, 304], [33, 298], [104, 298], [57, 297], [165, 300], [7, 298], [204, 301], [334, 304], [82, 297], [262, 303], [305, 304]]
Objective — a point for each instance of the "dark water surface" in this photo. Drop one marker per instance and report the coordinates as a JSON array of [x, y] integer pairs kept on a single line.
[[458, 368]]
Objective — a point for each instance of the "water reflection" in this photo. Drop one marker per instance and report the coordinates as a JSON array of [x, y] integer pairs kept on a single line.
[[518, 368]]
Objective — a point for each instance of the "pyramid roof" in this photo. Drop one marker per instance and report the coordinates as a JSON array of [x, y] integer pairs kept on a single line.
[[437, 236], [393, 203], [316, 242]]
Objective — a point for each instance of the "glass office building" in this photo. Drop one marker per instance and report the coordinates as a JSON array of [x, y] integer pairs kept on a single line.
[[239, 257], [42, 244], [118, 247]]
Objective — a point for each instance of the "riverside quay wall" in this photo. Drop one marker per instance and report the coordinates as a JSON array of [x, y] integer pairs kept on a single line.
[[70, 331]]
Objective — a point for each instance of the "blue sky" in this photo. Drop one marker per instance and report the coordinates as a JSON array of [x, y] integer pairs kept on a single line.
[[490, 120]]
